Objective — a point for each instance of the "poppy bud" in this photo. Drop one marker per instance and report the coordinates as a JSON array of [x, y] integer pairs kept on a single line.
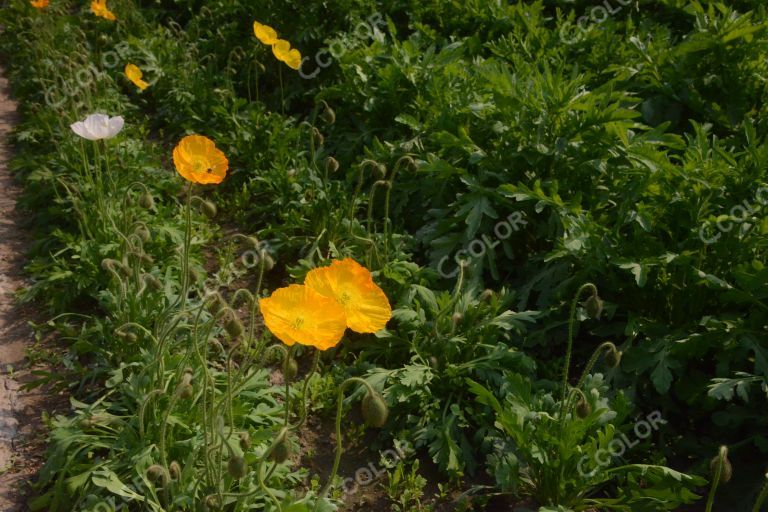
[[269, 263], [185, 389], [331, 165], [317, 138], [383, 183], [131, 337], [143, 233], [252, 242], [375, 410], [146, 259], [158, 475], [216, 304], [457, 317], [147, 201], [727, 469], [381, 170], [487, 295], [594, 306], [175, 471], [282, 449], [209, 208], [245, 441], [291, 369], [328, 115], [583, 409], [152, 282], [408, 162], [232, 324], [613, 357], [212, 502], [237, 467]]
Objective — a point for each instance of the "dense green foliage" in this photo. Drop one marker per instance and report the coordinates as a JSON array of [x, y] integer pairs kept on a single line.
[[493, 156]]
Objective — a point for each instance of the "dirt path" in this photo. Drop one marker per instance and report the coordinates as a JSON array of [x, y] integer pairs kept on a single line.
[[20, 412]]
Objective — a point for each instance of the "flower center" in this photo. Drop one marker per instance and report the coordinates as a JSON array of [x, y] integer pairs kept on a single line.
[[298, 323], [344, 298], [200, 165]]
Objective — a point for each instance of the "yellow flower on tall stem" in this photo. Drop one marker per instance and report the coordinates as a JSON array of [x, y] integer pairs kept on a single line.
[[265, 33], [351, 286], [284, 53], [39, 4], [99, 8], [198, 160], [135, 75], [298, 314]]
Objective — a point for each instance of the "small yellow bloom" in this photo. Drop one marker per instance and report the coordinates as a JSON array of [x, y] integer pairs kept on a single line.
[[298, 314], [351, 285], [265, 33], [99, 8], [198, 160], [134, 74], [39, 4], [284, 53]]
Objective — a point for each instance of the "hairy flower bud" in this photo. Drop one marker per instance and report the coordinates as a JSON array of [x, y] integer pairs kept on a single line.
[[174, 470], [152, 282], [727, 469], [583, 409], [282, 449], [317, 138], [232, 323], [237, 467], [216, 303], [147, 201], [594, 306], [291, 369], [185, 389], [158, 475], [375, 410], [487, 295], [209, 208], [143, 233], [331, 165], [613, 357], [245, 441], [328, 115]]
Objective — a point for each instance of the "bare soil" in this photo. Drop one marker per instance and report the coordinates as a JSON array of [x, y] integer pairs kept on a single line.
[[22, 433]]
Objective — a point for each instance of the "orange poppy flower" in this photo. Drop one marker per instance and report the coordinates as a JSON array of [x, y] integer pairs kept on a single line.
[[198, 160], [265, 33], [284, 53], [298, 314], [99, 8], [351, 285], [39, 4], [134, 74]]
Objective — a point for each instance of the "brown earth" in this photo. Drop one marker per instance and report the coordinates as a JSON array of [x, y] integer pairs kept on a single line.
[[22, 433]]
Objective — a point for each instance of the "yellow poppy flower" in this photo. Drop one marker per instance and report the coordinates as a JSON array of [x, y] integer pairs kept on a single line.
[[198, 160], [265, 33], [352, 286], [284, 53], [99, 8], [134, 74], [298, 314], [39, 4]]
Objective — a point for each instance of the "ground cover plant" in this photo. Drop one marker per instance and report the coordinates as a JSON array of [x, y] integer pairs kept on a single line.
[[527, 240]]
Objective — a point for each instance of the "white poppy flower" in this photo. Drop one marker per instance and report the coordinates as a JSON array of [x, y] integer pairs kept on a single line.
[[98, 126]]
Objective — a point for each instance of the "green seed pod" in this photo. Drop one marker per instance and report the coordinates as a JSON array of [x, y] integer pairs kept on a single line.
[[594, 306], [727, 469], [175, 471], [245, 441], [331, 165], [209, 208], [375, 410], [237, 467], [158, 474], [328, 115], [147, 201], [317, 138], [291, 369], [282, 450], [583, 409]]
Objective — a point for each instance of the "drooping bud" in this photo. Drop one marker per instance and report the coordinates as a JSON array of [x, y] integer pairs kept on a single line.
[[583, 409], [408, 163], [209, 208], [216, 303], [375, 410], [269, 263], [328, 115], [613, 356], [146, 259], [245, 441], [252, 242], [487, 295], [158, 475], [152, 282], [212, 502], [594, 306], [147, 201], [174, 470], [331, 165], [291, 369], [237, 467], [726, 470], [232, 323], [317, 138], [185, 389], [143, 233], [282, 449]]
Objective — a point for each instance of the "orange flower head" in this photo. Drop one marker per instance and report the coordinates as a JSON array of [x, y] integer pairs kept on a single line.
[[198, 160], [298, 314], [99, 8], [265, 33], [39, 4], [284, 53], [134, 74], [351, 286]]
